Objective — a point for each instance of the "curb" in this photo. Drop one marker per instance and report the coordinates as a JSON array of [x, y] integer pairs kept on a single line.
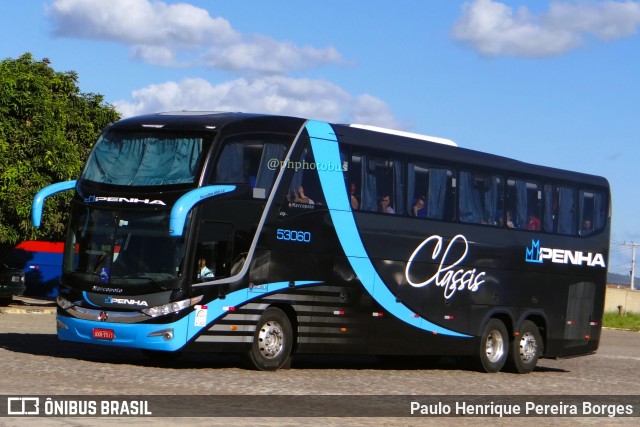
[[27, 310], [27, 305], [620, 329]]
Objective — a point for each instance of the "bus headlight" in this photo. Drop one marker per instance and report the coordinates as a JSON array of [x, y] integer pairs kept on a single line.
[[172, 307], [64, 303]]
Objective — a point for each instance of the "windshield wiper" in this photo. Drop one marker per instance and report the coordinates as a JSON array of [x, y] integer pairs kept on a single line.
[[147, 278]]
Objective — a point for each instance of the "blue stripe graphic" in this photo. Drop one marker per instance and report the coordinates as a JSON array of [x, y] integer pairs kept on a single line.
[[136, 335], [326, 151], [86, 298]]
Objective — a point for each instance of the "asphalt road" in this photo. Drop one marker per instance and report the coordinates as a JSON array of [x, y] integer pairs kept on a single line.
[[34, 362]]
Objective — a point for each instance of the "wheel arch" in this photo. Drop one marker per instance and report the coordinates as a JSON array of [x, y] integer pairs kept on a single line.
[[503, 315]]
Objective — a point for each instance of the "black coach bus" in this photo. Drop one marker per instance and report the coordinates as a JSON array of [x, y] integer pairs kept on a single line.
[[272, 236]]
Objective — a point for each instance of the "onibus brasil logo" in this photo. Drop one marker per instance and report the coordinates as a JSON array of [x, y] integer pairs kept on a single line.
[[538, 254]]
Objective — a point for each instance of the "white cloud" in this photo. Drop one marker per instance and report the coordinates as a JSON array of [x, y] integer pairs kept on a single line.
[[160, 33], [139, 22], [308, 98], [183, 35], [607, 20], [155, 55], [263, 54], [495, 29]]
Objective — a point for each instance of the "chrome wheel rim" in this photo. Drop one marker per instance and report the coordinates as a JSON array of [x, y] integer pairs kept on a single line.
[[270, 339], [528, 347], [494, 346]]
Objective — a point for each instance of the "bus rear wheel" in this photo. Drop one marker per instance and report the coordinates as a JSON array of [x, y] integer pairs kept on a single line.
[[272, 341], [526, 348], [493, 348]]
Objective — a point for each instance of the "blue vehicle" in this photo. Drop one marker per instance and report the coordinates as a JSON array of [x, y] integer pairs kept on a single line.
[[41, 263], [275, 236]]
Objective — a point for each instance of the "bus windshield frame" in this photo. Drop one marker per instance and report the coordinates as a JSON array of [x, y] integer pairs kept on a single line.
[[107, 247]]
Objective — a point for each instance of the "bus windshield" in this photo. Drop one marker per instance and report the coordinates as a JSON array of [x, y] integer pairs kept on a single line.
[[123, 248], [144, 158]]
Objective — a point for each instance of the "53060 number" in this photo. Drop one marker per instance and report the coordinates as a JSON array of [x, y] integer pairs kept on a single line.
[[293, 235]]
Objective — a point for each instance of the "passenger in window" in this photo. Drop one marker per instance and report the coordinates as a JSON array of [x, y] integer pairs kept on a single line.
[[586, 228], [533, 223], [509, 220], [384, 202], [355, 204], [205, 272], [419, 210], [300, 197]]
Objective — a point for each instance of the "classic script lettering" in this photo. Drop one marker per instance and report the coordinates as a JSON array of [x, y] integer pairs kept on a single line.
[[447, 276]]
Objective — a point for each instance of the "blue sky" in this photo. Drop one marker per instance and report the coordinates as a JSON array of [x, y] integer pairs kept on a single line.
[[549, 82]]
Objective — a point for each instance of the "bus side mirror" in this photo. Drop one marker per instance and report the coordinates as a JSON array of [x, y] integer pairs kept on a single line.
[[184, 204], [49, 190]]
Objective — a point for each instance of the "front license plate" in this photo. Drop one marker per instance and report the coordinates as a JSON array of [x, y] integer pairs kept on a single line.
[[104, 334]]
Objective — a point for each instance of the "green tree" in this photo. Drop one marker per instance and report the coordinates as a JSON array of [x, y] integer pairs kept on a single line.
[[47, 127]]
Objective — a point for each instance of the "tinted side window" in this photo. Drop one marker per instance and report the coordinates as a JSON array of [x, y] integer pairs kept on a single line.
[[381, 184], [253, 161], [524, 204], [354, 183], [593, 211], [430, 190], [481, 198], [560, 209], [304, 192]]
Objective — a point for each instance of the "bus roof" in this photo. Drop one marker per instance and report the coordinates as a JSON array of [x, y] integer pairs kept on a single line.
[[376, 138], [409, 145], [429, 138]]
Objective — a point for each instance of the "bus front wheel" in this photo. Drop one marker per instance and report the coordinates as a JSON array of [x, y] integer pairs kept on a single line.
[[272, 341], [526, 348], [493, 348]]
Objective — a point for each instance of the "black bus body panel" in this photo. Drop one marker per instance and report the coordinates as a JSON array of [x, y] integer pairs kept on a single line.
[[334, 313]]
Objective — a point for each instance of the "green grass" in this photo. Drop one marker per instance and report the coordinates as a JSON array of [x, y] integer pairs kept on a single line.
[[628, 321]]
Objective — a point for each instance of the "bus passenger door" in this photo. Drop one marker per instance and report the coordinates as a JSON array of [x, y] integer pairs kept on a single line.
[[214, 251]]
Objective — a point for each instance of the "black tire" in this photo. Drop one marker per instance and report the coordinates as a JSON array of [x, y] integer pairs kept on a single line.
[[526, 348], [272, 341], [5, 301], [493, 348]]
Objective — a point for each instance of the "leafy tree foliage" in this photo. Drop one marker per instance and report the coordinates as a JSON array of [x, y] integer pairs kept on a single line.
[[47, 127]]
